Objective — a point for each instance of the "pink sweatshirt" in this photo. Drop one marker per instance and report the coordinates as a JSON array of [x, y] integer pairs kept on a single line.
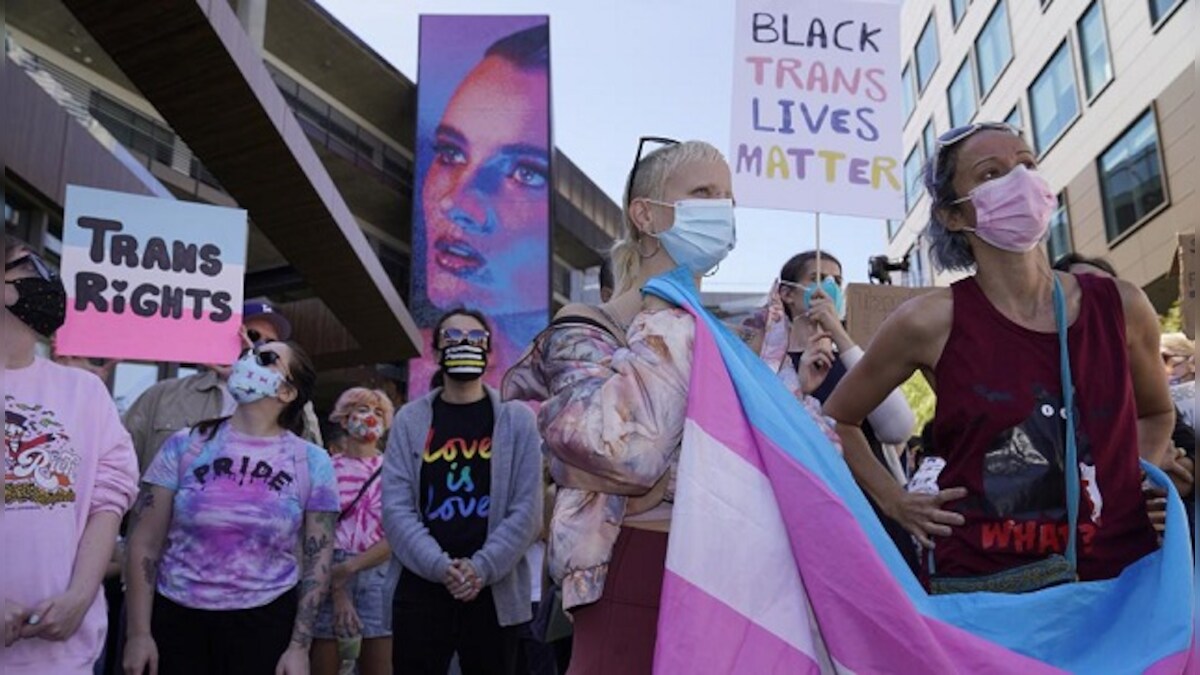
[[66, 457]]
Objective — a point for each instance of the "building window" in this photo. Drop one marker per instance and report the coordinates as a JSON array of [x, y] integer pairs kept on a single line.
[[1160, 10], [893, 228], [1093, 47], [929, 138], [1131, 179], [1059, 243], [916, 275], [1015, 120], [927, 53], [961, 96], [993, 49], [908, 96], [958, 9], [133, 130], [912, 178], [1053, 102], [1014, 117]]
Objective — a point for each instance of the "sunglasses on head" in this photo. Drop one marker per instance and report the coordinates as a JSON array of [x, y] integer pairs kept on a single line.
[[476, 337], [43, 270], [637, 160], [959, 134]]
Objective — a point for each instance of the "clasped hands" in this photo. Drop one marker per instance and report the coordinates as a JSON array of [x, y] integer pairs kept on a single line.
[[462, 580]]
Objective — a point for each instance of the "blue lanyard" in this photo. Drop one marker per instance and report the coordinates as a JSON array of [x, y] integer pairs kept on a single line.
[[1068, 389]]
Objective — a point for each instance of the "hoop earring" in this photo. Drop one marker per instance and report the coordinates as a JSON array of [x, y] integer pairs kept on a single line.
[[651, 254], [712, 272]]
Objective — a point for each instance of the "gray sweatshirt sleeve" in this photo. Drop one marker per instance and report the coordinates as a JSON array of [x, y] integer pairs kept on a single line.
[[506, 545], [410, 540]]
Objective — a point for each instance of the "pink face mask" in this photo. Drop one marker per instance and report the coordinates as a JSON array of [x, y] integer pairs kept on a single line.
[[1012, 212]]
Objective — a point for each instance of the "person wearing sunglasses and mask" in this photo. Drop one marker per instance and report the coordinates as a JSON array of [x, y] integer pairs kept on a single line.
[[171, 405], [800, 335], [70, 474], [461, 504], [354, 612], [231, 538], [990, 347], [613, 381]]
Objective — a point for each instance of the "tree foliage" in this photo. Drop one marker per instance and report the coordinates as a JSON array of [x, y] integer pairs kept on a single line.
[[920, 398]]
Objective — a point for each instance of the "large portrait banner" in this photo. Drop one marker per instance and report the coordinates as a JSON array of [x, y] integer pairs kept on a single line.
[[482, 195]]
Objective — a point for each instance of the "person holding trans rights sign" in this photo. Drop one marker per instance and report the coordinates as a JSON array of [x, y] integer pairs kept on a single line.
[[70, 474]]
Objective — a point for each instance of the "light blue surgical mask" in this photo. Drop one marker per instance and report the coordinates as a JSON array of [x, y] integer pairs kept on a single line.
[[702, 235], [829, 287]]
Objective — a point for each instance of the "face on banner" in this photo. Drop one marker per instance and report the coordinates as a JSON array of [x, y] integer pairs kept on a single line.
[[485, 195], [481, 230]]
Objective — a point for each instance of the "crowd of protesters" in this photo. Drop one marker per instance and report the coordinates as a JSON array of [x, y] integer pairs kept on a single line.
[[417, 537]]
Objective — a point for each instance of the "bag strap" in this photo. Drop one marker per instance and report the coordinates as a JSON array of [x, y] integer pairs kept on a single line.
[[1071, 460], [594, 316], [361, 491]]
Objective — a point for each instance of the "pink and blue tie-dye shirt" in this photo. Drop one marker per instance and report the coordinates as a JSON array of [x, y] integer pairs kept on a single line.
[[238, 518], [362, 527]]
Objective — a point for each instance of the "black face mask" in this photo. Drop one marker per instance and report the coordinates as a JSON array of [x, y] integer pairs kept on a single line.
[[41, 305], [464, 362]]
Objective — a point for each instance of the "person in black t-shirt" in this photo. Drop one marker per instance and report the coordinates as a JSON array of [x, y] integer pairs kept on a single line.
[[461, 505]]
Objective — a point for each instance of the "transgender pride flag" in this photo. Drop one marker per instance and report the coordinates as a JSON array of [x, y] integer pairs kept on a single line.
[[777, 564]]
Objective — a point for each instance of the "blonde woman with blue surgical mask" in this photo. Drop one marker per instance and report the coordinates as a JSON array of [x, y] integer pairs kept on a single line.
[[628, 359]]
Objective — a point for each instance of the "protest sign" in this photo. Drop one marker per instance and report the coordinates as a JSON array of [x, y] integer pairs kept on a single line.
[[817, 118], [151, 279], [867, 305]]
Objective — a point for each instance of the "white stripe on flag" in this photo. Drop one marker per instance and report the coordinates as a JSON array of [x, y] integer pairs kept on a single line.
[[728, 539]]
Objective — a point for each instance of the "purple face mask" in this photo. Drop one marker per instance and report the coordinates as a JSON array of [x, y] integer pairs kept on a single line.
[[1012, 212]]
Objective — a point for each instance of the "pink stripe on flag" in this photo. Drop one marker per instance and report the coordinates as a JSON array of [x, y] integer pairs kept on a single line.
[[868, 621], [721, 639], [149, 338], [1180, 662], [714, 407]]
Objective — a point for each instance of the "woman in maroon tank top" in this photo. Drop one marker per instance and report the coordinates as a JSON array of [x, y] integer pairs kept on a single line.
[[989, 348]]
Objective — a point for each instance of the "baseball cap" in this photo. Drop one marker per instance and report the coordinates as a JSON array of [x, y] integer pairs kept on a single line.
[[259, 309]]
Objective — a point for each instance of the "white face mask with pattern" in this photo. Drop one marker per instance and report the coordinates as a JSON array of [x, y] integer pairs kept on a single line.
[[251, 381]]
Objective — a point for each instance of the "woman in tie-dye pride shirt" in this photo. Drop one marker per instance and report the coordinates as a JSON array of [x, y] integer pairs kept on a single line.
[[355, 609], [231, 540]]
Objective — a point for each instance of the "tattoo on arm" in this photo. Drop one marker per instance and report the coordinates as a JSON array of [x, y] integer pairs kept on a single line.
[[145, 500], [314, 579], [150, 571]]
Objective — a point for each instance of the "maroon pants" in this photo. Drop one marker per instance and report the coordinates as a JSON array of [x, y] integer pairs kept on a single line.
[[616, 633]]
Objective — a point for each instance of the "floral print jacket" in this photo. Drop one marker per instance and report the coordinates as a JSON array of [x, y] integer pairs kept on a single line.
[[612, 418]]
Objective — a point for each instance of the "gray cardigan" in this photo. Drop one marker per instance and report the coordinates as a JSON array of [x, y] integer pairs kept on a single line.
[[514, 517]]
